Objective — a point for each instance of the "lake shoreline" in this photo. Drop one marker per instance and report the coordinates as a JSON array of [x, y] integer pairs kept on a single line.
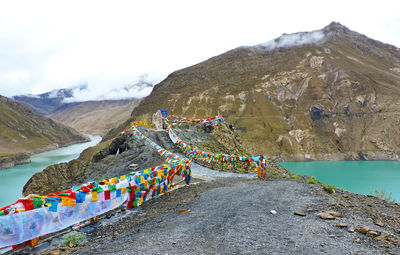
[[338, 156], [8, 161], [12, 180], [360, 177]]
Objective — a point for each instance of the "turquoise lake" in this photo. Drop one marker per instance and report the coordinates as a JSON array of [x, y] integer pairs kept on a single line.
[[12, 180], [361, 177]]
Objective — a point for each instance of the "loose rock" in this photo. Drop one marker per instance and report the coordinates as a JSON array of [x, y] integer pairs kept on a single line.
[[334, 213], [326, 216], [373, 233], [341, 225], [351, 230], [273, 212], [364, 230], [381, 237], [379, 223], [299, 213]]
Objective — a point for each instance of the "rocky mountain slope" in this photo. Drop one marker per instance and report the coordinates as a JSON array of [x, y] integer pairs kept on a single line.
[[95, 117], [22, 131], [330, 94]]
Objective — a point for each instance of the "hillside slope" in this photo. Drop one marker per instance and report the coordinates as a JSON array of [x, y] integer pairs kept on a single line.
[[330, 94], [22, 130], [95, 117]]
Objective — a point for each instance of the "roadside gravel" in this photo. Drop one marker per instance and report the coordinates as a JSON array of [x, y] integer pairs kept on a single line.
[[232, 216]]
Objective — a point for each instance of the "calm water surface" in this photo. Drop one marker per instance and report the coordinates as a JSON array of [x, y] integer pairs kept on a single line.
[[12, 180], [361, 177]]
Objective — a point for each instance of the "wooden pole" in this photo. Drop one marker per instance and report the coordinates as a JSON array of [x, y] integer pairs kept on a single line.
[[174, 184]]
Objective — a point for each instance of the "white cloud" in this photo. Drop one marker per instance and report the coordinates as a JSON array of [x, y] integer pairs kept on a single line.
[[45, 45], [296, 39]]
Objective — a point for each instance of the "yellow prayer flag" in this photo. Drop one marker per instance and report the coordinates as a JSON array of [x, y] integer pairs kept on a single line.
[[123, 190], [66, 201], [94, 196]]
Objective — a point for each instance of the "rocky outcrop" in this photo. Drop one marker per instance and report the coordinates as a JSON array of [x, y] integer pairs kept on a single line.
[[9, 161], [330, 99], [106, 160]]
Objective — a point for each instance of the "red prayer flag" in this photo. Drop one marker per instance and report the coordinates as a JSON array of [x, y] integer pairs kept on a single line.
[[106, 194]]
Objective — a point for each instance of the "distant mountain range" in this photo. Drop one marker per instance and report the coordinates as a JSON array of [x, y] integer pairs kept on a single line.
[[94, 117], [24, 131], [330, 94], [46, 103]]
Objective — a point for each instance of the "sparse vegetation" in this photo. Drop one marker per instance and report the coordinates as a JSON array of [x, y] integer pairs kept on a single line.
[[329, 188], [381, 193], [312, 180], [72, 239]]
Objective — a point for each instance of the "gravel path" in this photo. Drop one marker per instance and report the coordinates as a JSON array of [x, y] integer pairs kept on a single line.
[[232, 216], [199, 171]]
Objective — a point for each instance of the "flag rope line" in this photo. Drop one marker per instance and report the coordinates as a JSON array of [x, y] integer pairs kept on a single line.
[[256, 163], [35, 216]]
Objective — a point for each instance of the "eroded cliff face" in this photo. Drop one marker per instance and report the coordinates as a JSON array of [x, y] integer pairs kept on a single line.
[[332, 99]]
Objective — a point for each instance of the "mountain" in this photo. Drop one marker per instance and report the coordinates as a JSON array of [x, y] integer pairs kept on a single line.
[[22, 131], [46, 103], [95, 117], [69, 107], [330, 94]]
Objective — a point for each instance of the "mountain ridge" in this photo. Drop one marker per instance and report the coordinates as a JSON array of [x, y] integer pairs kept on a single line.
[[306, 102]]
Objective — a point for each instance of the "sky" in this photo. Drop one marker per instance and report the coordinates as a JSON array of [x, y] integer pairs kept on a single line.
[[109, 45]]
